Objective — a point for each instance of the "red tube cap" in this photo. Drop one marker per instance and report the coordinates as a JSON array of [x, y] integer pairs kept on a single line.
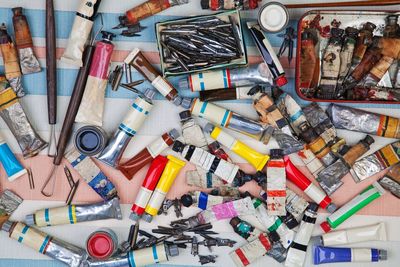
[[326, 227], [281, 81], [100, 246]]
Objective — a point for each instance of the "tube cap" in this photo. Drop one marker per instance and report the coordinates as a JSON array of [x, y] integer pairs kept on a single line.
[[382, 254], [317, 241], [281, 81], [326, 227], [313, 207], [186, 102], [174, 133], [369, 140], [208, 128], [134, 216], [186, 200], [147, 217], [234, 222], [100, 245], [109, 36], [331, 208], [276, 153], [149, 93], [172, 250], [273, 17], [183, 83], [291, 222], [274, 236], [30, 219], [177, 101], [6, 227], [178, 146], [184, 115], [205, 4]]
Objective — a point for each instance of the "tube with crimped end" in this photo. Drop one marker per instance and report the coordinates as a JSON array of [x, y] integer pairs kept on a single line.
[[276, 184], [255, 158], [391, 181], [244, 229], [15, 117], [80, 32], [252, 251], [45, 244], [73, 214], [331, 255], [368, 195], [231, 120], [295, 204], [203, 179], [167, 178], [132, 122], [203, 200], [10, 163]]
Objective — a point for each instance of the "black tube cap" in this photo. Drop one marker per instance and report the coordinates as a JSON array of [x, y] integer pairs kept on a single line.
[[178, 146], [205, 4], [276, 153], [109, 36], [184, 115], [274, 236], [313, 207], [186, 200]]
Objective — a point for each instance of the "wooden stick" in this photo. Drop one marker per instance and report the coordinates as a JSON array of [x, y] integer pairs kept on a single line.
[[347, 4], [51, 62]]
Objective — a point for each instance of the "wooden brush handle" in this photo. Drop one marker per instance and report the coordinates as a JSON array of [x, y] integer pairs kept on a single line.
[[51, 62], [348, 3]]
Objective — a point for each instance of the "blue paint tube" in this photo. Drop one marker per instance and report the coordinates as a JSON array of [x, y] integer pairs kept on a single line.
[[10, 163], [331, 254]]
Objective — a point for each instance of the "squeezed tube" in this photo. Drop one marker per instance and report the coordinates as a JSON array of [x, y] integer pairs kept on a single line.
[[191, 131], [255, 158], [10, 163], [310, 189], [231, 120], [149, 184], [45, 244], [203, 200], [252, 251], [375, 232], [295, 204], [331, 255], [73, 214], [167, 178], [320, 122], [391, 181], [368, 195], [226, 94], [276, 184], [132, 122], [203, 179]]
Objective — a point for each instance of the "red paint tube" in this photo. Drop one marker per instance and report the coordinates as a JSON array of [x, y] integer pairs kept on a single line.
[[144, 157], [311, 190], [148, 186]]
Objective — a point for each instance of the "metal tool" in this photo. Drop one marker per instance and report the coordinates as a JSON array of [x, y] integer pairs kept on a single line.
[[30, 177], [207, 259], [133, 234], [195, 247], [288, 43], [348, 3], [74, 185]]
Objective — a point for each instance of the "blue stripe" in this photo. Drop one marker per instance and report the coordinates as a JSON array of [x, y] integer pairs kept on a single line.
[[202, 86], [127, 130], [155, 256], [71, 219], [131, 259], [203, 199], [295, 116], [46, 217], [78, 160], [23, 232], [225, 79], [45, 242], [209, 180], [203, 109], [225, 118], [137, 107]]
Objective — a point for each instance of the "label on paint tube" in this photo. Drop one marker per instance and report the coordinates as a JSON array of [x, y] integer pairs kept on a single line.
[[205, 201], [143, 197], [10, 163], [250, 252], [86, 7], [157, 147], [211, 112], [313, 164], [162, 86], [30, 237], [276, 187], [203, 179], [146, 256], [155, 202], [56, 216], [316, 194], [295, 204], [210, 80], [136, 116]]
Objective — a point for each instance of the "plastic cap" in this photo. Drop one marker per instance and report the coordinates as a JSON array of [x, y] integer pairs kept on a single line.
[[17, 10], [183, 83], [276, 153], [109, 36], [326, 227], [313, 207], [274, 236], [281, 81], [383, 254], [205, 4], [150, 94], [292, 222], [331, 208], [174, 134], [186, 102], [208, 128], [100, 245], [184, 115], [186, 200], [178, 146], [134, 216], [6, 227], [30, 219], [317, 240], [172, 250], [147, 217], [177, 101], [234, 222], [369, 140]]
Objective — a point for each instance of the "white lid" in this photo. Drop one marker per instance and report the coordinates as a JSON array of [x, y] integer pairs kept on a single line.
[[273, 17]]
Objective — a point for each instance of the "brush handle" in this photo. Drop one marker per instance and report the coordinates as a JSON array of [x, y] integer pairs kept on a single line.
[[51, 63], [346, 4], [74, 103]]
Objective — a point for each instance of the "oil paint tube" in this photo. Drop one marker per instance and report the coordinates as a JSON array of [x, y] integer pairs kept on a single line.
[[276, 184], [320, 122], [203, 179], [203, 200], [332, 255], [295, 204], [191, 131], [391, 181], [10, 163], [244, 229]]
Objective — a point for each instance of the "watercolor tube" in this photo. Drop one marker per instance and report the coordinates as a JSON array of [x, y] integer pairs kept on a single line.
[[91, 108], [391, 181], [208, 162], [147, 154], [268, 54], [203, 200], [10, 163], [83, 24], [368, 195], [252, 251], [143, 66], [92, 175], [138, 258], [308, 64], [128, 128], [45, 244], [172, 168], [297, 252], [331, 255], [231, 120], [149, 184], [203, 179], [375, 232], [255, 158], [73, 214], [276, 184], [310, 189], [244, 229]]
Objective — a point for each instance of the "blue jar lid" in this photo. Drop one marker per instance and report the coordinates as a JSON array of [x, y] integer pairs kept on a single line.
[[90, 140]]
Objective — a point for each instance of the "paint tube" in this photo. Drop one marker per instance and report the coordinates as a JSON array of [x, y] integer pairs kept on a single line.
[[15, 117], [203, 179], [92, 175], [229, 4], [366, 196], [171, 170], [128, 128], [73, 214], [216, 149], [373, 93], [242, 92], [91, 108], [244, 229], [231, 120], [268, 54], [313, 164], [9, 201], [11, 62], [203, 200], [331, 255], [191, 131], [148, 186], [346, 55], [23, 40], [273, 224], [10, 163], [375, 232], [138, 258], [330, 179], [378, 161], [308, 64], [208, 162], [80, 32], [226, 191], [255, 158], [317, 144], [143, 66], [147, 154], [363, 121], [310, 189], [276, 183], [295, 204], [320, 122], [227, 78], [331, 65], [391, 181]]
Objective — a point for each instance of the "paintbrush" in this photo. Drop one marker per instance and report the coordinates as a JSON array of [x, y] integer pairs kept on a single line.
[[346, 4]]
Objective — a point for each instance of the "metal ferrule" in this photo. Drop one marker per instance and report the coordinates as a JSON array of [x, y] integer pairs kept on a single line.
[[251, 128], [66, 253], [115, 148]]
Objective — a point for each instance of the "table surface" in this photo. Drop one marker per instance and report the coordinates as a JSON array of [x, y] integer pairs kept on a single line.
[[163, 117]]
